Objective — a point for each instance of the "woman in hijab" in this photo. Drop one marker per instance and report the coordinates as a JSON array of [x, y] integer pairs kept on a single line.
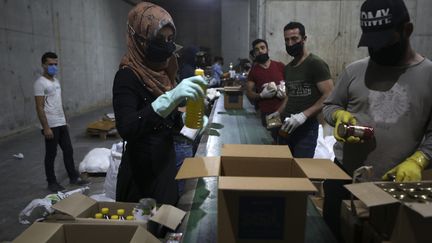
[[145, 98]]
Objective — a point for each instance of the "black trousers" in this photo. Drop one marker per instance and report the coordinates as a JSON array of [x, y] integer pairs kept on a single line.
[[334, 193], [62, 138]]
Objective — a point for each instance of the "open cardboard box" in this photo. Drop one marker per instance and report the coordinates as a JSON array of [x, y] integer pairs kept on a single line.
[[233, 97], [352, 221], [81, 209], [85, 233], [400, 221], [262, 190]]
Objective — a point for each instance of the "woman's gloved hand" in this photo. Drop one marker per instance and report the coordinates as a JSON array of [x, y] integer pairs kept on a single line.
[[410, 169], [342, 117], [188, 88]]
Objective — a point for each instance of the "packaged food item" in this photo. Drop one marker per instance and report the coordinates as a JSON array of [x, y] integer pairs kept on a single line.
[[362, 132], [273, 122]]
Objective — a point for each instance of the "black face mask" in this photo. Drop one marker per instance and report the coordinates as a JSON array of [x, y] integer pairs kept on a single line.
[[262, 58], [389, 55], [294, 50], [159, 51]]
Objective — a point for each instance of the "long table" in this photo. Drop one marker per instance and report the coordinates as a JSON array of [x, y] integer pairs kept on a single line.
[[200, 197]]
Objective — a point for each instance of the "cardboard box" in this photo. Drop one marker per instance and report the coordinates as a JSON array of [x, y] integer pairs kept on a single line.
[[392, 218], [85, 233], [233, 97], [262, 190], [352, 223], [370, 234], [82, 209]]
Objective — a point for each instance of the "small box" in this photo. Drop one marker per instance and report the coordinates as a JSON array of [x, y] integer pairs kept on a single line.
[[85, 233], [81, 209], [233, 97], [262, 190]]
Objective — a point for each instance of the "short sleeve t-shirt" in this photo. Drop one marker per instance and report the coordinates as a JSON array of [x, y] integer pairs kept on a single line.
[[300, 83], [53, 106], [261, 76]]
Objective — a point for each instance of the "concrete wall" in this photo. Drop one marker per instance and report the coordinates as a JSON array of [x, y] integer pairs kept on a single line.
[[235, 30], [333, 28], [198, 23], [88, 36]]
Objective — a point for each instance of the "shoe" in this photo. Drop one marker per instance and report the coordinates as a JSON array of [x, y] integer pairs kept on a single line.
[[55, 187], [79, 182]]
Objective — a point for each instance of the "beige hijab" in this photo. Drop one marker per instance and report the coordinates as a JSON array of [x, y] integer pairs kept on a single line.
[[146, 19]]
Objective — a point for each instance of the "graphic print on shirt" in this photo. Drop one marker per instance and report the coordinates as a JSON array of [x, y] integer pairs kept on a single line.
[[299, 88], [388, 106]]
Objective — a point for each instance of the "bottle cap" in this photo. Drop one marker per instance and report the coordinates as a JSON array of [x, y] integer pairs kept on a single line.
[[199, 72], [120, 211], [104, 210], [98, 216], [115, 217]]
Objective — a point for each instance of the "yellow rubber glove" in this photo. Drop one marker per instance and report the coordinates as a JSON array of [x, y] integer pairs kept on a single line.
[[344, 117], [410, 169]]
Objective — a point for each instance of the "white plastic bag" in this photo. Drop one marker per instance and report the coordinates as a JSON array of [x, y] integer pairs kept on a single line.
[[324, 148], [39, 209], [96, 161], [111, 175]]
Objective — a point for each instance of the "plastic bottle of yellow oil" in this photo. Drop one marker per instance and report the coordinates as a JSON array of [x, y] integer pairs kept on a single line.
[[195, 108]]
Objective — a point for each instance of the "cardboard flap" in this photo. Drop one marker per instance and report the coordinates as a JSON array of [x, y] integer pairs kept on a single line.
[[424, 209], [371, 194], [266, 184], [257, 151], [199, 167], [168, 216], [38, 232], [74, 205], [143, 236], [321, 169]]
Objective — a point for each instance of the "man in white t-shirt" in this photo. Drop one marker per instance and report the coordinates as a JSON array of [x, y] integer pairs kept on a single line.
[[50, 112]]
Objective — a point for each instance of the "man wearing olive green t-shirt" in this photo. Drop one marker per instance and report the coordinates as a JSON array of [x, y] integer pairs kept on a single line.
[[308, 83]]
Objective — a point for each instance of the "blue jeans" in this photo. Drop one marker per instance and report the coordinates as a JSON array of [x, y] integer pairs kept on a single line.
[[302, 142], [183, 149]]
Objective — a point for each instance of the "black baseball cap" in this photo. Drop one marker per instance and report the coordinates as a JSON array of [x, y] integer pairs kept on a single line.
[[379, 19]]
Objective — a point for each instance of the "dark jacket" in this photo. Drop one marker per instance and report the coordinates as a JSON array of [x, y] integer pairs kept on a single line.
[[148, 166]]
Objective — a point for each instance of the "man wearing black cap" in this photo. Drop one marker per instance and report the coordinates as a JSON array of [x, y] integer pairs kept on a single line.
[[388, 91]]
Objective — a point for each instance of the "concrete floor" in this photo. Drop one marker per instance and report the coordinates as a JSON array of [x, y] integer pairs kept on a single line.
[[22, 180]]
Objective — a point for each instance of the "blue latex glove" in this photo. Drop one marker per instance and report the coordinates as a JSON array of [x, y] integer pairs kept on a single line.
[[188, 88]]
